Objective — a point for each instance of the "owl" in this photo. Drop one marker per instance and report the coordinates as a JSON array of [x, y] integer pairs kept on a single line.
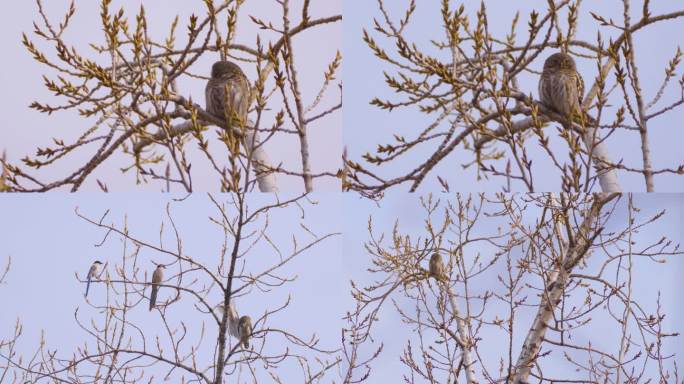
[[227, 93], [437, 269], [561, 87], [245, 330]]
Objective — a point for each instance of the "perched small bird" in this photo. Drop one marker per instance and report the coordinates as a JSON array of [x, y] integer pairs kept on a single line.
[[245, 330], [157, 277], [561, 87], [92, 273], [437, 269], [227, 93]]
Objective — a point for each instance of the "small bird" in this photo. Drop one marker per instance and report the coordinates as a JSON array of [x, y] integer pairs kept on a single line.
[[92, 273], [437, 268], [227, 93], [561, 87], [157, 277], [245, 330]]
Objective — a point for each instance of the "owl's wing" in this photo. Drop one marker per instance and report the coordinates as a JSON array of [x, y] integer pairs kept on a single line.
[[214, 97], [540, 88], [580, 88], [237, 97], [209, 105]]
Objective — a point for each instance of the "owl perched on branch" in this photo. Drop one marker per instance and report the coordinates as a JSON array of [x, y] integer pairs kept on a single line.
[[561, 87], [245, 330], [437, 269], [227, 93]]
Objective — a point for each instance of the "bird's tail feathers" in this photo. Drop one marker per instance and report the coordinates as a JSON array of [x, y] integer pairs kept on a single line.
[[153, 298]]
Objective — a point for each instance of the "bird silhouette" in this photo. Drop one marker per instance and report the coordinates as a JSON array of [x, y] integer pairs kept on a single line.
[[157, 277], [437, 269], [227, 93], [92, 273], [245, 330]]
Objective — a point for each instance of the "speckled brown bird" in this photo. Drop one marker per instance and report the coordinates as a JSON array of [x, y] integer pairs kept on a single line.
[[561, 87], [245, 330], [227, 93], [437, 269]]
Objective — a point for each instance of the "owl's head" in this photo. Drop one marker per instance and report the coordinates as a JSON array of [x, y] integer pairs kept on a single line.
[[224, 69], [245, 321], [559, 61]]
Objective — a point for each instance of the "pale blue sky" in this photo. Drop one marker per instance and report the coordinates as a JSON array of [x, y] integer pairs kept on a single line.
[[649, 279], [367, 126], [48, 243], [24, 129]]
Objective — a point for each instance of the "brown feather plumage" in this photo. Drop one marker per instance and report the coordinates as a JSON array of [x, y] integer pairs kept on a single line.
[[227, 93], [437, 269], [561, 87], [245, 330]]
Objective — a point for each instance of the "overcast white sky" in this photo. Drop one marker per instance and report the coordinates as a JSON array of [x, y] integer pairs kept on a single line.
[[23, 129], [366, 126]]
